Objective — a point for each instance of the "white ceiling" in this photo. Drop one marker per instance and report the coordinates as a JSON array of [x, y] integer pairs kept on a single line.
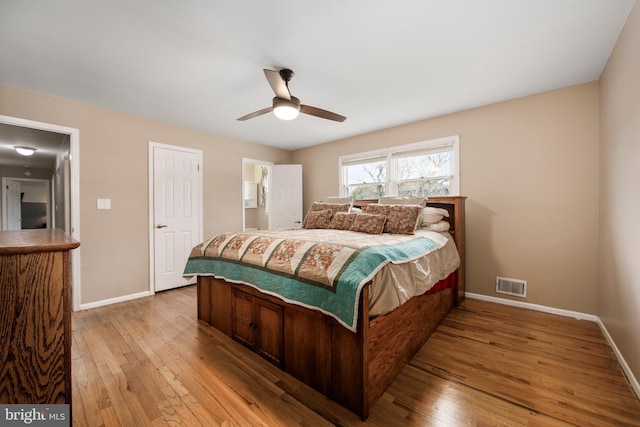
[[380, 63]]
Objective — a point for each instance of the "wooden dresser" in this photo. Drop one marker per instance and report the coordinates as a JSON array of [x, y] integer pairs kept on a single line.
[[35, 316]]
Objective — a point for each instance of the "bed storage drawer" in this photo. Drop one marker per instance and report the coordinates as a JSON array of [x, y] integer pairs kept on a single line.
[[258, 325]]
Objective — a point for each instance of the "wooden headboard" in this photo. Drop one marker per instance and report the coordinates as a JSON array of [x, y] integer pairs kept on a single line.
[[455, 206]]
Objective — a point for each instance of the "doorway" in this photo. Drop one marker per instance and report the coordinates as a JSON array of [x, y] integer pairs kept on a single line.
[[255, 189], [26, 204], [72, 215], [272, 195]]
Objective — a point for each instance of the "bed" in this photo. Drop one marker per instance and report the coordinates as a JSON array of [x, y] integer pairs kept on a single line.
[[353, 355]]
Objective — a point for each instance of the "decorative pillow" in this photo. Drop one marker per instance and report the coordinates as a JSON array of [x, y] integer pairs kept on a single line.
[[399, 200], [377, 209], [433, 215], [401, 219], [335, 207], [342, 220], [440, 227], [318, 219], [368, 223]]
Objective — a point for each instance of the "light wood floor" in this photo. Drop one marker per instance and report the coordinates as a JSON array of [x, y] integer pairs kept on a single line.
[[149, 362]]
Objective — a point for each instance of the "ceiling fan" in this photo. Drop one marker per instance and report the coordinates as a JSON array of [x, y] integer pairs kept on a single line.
[[285, 106]]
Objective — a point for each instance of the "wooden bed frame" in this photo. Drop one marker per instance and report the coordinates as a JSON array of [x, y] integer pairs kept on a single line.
[[352, 369]]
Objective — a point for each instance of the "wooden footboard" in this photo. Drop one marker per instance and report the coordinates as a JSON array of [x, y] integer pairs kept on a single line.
[[353, 369]]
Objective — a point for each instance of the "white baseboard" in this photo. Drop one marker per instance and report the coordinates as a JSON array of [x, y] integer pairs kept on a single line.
[[536, 307], [623, 363], [114, 300], [633, 381]]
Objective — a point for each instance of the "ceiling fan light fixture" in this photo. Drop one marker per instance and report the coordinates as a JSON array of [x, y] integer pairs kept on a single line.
[[25, 151], [285, 109], [285, 106]]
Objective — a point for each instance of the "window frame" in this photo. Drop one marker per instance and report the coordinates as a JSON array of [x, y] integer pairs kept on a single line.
[[391, 184]]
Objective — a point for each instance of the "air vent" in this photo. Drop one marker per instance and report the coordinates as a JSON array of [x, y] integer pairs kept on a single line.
[[515, 287]]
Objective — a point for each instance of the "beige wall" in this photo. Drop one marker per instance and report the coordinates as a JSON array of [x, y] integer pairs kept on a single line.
[[530, 172], [114, 164], [619, 287]]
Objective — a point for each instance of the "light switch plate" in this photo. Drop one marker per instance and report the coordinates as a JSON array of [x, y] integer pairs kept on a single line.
[[104, 203]]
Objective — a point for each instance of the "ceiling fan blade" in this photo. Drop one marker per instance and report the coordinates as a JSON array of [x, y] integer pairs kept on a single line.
[[256, 114], [277, 84], [323, 114]]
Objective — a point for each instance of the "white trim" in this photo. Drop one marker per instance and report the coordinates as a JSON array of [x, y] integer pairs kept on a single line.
[[633, 381], [445, 141], [152, 261], [74, 163], [455, 167], [110, 301], [536, 307]]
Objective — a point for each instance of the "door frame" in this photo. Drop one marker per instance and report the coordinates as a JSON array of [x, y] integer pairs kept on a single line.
[[74, 163], [152, 258]]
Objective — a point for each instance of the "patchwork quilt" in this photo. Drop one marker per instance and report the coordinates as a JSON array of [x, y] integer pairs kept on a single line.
[[324, 275]]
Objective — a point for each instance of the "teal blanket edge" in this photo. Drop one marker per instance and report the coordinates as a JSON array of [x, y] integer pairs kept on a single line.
[[341, 302]]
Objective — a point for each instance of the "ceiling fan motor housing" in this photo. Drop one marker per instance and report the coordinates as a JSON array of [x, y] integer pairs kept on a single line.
[[286, 74]]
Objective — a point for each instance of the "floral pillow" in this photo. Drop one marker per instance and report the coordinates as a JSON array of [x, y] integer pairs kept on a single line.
[[401, 219], [317, 219], [377, 209], [335, 207], [342, 220], [368, 223]]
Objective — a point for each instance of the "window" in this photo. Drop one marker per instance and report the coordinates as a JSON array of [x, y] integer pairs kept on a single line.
[[424, 169]]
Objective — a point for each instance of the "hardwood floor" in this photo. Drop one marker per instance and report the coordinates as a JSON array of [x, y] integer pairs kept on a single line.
[[149, 362]]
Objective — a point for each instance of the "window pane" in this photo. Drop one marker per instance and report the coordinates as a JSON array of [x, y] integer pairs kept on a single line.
[[424, 165], [421, 169], [425, 188], [366, 173], [360, 192]]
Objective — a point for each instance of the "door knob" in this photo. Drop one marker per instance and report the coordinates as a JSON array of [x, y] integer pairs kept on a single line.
[[161, 225]]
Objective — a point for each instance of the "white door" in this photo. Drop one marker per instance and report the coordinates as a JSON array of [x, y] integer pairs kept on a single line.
[[14, 206], [285, 197], [176, 213]]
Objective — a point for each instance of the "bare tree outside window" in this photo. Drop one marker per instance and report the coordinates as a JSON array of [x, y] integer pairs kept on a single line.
[[424, 175], [366, 181]]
